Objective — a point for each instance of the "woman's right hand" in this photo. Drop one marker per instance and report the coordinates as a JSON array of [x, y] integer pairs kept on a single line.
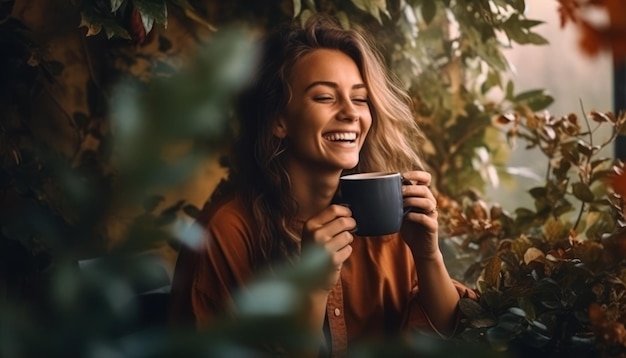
[[330, 230]]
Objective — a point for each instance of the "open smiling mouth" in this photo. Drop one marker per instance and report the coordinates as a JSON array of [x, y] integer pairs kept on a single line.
[[342, 137]]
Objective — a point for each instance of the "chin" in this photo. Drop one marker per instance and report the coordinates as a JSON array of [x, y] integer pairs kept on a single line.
[[349, 166], [345, 163]]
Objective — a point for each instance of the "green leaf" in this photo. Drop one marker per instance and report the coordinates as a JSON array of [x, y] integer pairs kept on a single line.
[[492, 271], [599, 161], [493, 80], [536, 100], [530, 23], [152, 11], [586, 148], [147, 21], [200, 19], [524, 216], [471, 308], [95, 24], [510, 90], [151, 202], [115, 4], [501, 3], [528, 95], [602, 174], [562, 209], [518, 5], [582, 192], [538, 192], [517, 29], [297, 7], [519, 246], [191, 210], [536, 39], [513, 29], [169, 214], [429, 11], [113, 29], [498, 338], [373, 7], [490, 53], [482, 322], [527, 305]]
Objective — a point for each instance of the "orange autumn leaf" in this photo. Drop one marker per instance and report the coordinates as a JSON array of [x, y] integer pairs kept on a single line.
[[590, 39], [596, 38], [618, 183], [568, 11], [136, 27], [606, 330], [615, 35], [617, 13]]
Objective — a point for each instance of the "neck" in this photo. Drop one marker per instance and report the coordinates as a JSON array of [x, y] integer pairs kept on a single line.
[[313, 190]]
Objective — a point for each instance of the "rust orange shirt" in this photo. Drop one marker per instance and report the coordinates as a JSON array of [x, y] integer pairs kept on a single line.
[[376, 296]]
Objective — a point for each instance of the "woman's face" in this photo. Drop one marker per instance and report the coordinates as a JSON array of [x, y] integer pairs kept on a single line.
[[328, 117]]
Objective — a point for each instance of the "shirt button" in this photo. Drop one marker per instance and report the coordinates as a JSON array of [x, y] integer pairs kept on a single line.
[[337, 312]]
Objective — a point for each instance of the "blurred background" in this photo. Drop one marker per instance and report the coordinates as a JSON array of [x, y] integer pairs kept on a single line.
[[573, 77]]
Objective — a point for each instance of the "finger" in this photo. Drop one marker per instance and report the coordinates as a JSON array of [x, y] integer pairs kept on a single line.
[[420, 205], [327, 215], [421, 191], [339, 226], [328, 231], [339, 241], [341, 256], [429, 222], [418, 177]]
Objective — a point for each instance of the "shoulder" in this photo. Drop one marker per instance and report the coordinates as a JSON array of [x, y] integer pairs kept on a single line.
[[229, 232], [229, 213]]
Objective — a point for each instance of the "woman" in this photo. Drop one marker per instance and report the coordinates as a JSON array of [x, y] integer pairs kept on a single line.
[[323, 105]]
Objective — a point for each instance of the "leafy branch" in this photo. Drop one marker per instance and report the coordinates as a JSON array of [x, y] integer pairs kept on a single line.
[[545, 279], [131, 19]]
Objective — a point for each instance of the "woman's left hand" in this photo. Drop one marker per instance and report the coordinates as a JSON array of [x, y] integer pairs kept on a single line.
[[420, 227]]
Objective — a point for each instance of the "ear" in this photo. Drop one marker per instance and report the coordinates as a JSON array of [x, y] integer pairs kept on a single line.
[[279, 128]]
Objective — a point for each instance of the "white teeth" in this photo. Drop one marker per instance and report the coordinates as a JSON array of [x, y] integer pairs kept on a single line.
[[335, 137]]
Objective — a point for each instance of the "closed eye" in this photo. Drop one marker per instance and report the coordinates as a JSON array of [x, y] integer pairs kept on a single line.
[[323, 98]]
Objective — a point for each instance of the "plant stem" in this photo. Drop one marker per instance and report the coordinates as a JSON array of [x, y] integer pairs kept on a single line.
[[584, 178]]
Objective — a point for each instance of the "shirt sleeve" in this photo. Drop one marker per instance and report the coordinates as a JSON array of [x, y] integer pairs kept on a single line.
[[416, 318]]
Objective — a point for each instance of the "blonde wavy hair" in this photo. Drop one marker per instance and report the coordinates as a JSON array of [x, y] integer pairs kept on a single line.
[[257, 170]]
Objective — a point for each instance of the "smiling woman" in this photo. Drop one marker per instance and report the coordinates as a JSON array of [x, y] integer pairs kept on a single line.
[[329, 99], [322, 105]]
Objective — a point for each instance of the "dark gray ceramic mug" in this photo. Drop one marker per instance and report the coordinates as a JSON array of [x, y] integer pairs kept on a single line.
[[375, 200]]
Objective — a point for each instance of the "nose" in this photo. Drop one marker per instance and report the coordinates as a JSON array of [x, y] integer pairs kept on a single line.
[[348, 112]]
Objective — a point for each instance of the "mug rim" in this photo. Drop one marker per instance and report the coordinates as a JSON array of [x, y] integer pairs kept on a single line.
[[370, 175]]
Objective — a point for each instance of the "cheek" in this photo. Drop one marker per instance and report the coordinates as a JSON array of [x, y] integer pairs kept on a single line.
[[367, 122]]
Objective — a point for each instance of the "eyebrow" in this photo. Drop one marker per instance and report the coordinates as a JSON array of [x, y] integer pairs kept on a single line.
[[331, 84]]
